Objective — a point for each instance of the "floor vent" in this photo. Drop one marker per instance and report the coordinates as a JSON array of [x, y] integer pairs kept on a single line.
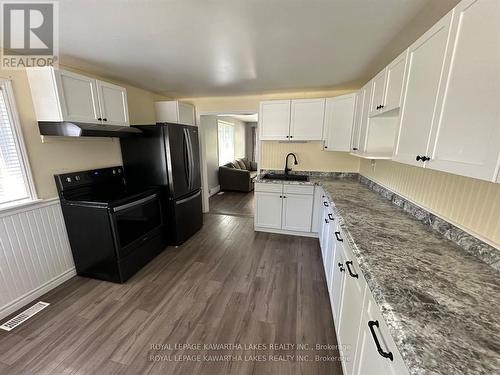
[[24, 316]]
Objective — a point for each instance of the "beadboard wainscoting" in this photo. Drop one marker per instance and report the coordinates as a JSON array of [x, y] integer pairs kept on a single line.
[[35, 255], [468, 203]]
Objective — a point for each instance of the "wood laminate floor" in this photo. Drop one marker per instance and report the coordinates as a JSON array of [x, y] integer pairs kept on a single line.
[[232, 203], [226, 285]]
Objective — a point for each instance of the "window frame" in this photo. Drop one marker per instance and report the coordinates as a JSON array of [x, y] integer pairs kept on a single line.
[[226, 123], [10, 103]]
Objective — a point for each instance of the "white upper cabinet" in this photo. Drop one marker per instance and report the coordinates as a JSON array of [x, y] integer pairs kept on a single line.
[[358, 112], [78, 97], [339, 119], [113, 103], [377, 92], [467, 138], [364, 122], [394, 83], [426, 59], [59, 95], [307, 118], [175, 112], [274, 120], [294, 120], [387, 86]]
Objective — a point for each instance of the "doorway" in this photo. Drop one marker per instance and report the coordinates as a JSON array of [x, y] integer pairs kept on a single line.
[[229, 162]]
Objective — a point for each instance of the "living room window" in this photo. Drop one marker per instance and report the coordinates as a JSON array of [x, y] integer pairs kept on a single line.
[[225, 142], [15, 177]]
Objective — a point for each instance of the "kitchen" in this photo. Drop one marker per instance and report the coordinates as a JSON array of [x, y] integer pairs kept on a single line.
[[374, 246]]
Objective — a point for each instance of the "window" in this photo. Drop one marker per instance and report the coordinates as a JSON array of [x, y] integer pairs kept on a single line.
[[15, 185], [226, 142]]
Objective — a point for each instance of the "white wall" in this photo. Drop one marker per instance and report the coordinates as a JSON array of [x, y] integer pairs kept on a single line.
[[209, 124]]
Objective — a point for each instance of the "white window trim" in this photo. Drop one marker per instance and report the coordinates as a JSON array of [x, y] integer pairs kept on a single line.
[[6, 86]]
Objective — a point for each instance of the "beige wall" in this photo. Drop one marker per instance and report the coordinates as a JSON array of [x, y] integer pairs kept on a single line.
[[57, 155], [310, 156], [471, 204], [227, 104]]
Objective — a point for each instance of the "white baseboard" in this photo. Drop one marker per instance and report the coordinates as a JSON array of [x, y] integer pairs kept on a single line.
[[214, 190], [35, 293], [289, 232]]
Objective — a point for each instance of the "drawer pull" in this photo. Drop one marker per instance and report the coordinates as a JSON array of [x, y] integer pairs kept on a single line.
[[349, 269], [326, 221], [337, 235], [374, 323], [330, 216], [341, 267], [325, 204]]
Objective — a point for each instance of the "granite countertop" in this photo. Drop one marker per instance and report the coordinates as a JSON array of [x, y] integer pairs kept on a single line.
[[442, 305]]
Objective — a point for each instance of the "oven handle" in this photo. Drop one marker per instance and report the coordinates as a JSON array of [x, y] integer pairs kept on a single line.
[[136, 203]]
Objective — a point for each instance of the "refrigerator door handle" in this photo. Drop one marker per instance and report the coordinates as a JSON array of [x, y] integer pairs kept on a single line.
[[191, 161], [185, 149]]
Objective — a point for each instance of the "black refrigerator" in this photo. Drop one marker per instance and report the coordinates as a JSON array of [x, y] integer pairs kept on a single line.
[[167, 156]]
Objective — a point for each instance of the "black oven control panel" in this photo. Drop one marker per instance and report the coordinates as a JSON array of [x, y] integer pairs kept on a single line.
[[94, 176]]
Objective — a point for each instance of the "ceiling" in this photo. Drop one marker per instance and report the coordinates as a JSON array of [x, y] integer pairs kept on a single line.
[[183, 48]]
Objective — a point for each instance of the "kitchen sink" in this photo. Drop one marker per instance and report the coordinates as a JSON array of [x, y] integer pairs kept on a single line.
[[286, 177]]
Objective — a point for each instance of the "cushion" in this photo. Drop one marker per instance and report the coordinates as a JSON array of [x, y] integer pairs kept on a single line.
[[236, 164], [241, 164], [247, 164], [229, 165]]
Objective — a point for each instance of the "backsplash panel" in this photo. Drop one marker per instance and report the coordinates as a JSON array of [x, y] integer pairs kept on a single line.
[[471, 204], [310, 156]]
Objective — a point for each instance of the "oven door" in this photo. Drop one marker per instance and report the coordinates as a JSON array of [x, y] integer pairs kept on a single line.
[[136, 222]]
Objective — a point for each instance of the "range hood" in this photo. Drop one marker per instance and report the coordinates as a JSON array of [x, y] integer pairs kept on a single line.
[[80, 129]]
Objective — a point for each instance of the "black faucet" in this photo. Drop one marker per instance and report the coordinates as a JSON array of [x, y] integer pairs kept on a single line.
[[286, 162]]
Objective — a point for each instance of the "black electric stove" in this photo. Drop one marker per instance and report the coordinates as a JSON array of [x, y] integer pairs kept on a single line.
[[113, 230]]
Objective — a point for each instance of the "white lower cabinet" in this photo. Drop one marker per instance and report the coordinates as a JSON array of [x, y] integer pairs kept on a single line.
[[376, 352], [365, 343], [268, 210], [297, 212], [338, 273], [317, 209], [351, 311], [284, 208]]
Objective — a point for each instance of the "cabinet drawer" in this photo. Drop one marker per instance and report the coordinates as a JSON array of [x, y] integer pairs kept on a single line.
[[269, 188], [298, 189]]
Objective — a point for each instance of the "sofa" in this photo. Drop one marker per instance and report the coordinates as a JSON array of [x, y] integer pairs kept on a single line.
[[238, 175]]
